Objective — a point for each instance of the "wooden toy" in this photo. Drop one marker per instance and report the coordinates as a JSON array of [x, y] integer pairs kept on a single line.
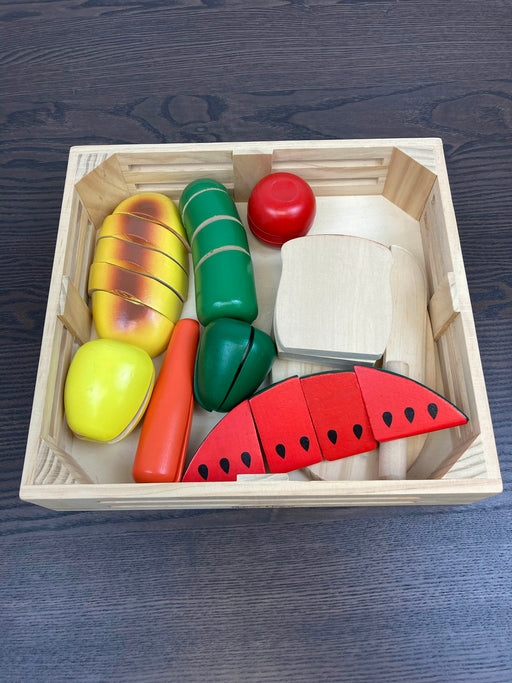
[[394, 191], [230, 449], [222, 262], [284, 427], [341, 423], [334, 300], [398, 407], [202, 200], [155, 207], [232, 361], [405, 350], [215, 234], [224, 286], [108, 386], [149, 262], [295, 433], [281, 206], [116, 317], [136, 287], [163, 441], [146, 233]]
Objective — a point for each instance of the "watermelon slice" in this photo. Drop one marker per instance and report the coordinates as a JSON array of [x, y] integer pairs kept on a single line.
[[338, 413], [399, 407], [334, 415], [284, 426], [230, 449]]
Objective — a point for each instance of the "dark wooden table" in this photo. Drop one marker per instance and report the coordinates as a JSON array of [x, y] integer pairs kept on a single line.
[[342, 594]]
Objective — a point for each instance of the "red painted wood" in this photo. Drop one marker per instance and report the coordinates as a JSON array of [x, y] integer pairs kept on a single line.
[[399, 407], [338, 413], [230, 449], [284, 426]]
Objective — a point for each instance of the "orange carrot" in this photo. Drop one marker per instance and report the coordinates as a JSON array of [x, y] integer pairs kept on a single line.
[[165, 432]]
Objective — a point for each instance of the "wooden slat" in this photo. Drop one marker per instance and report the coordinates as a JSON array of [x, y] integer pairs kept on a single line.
[[67, 461], [142, 175], [249, 169], [444, 305], [102, 189], [350, 156], [163, 156], [408, 184], [74, 312]]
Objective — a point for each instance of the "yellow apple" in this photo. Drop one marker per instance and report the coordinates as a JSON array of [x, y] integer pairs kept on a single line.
[[108, 387]]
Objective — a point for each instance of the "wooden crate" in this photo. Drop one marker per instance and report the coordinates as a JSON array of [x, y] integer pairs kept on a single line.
[[394, 191]]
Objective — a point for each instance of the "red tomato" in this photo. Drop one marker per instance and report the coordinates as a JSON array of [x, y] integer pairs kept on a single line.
[[281, 206]]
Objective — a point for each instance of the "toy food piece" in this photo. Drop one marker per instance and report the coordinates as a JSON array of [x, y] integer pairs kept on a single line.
[[233, 359], [398, 407], [334, 300], [341, 423], [202, 200], [149, 262], [230, 449], [284, 427], [287, 429], [155, 207], [216, 234], [163, 441], [224, 283], [137, 287], [220, 252], [281, 207], [107, 389], [147, 234], [116, 317]]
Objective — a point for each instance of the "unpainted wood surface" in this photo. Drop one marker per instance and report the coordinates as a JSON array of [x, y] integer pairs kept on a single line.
[[342, 594]]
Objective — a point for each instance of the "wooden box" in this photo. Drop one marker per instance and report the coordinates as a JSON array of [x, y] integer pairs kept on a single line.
[[394, 191]]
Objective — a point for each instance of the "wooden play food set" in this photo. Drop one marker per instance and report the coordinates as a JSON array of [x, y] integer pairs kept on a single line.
[[393, 192]]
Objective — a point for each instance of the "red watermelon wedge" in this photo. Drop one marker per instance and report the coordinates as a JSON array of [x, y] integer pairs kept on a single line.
[[230, 449], [399, 407], [338, 413], [284, 427]]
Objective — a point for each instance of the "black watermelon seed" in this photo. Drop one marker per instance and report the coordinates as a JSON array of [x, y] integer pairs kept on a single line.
[[304, 442], [387, 417], [224, 464], [280, 450], [432, 410], [409, 414], [203, 471], [246, 458], [358, 430], [332, 435]]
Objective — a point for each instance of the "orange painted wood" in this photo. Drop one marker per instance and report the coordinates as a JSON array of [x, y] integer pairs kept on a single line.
[[163, 441]]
